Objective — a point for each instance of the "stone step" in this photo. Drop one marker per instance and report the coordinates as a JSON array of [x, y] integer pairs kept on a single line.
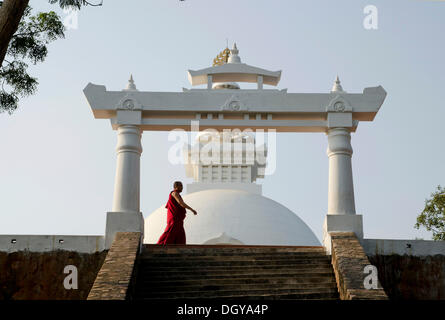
[[192, 275], [208, 252], [277, 296], [243, 268], [230, 256], [250, 251], [144, 293], [251, 262], [179, 249], [156, 288], [236, 288], [156, 282]]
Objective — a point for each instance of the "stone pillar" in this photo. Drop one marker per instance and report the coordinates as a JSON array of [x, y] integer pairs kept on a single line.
[[341, 188], [127, 180], [209, 82], [341, 215], [126, 215]]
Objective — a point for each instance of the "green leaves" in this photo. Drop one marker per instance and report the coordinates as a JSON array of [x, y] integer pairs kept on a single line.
[[21, 84], [433, 215], [34, 34], [15, 75], [29, 43], [8, 101], [76, 4]]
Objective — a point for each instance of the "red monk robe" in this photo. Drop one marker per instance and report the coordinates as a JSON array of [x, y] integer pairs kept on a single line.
[[174, 232]]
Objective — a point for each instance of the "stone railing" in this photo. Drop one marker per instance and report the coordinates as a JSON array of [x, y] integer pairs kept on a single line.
[[349, 261], [114, 280]]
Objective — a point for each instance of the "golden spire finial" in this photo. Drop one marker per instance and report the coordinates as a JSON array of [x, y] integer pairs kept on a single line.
[[222, 58]]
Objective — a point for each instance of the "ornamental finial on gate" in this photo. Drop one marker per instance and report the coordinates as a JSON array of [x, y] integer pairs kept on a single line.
[[222, 57], [337, 86], [130, 86]]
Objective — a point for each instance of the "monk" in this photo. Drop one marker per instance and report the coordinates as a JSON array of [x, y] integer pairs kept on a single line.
[[174, 232]]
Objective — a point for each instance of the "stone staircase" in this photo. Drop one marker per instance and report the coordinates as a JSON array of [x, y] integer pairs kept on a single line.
[[234, 272]]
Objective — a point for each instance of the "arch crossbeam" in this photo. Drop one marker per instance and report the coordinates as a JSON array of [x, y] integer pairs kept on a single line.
[[219, 109]]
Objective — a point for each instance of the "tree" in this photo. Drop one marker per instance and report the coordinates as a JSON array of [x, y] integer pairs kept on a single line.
[[27, 44], [12, 11], [24, 38], [433, 215]]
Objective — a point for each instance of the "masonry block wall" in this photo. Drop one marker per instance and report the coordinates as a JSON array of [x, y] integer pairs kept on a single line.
[[406, 277], [114, 280], [28, 275], [349, 261]]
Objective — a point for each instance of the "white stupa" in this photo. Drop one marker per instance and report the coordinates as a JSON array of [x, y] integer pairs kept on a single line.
[[230, 205]]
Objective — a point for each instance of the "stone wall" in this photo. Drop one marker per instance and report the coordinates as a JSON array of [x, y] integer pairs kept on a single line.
[[411, 277], [349, 261], [39, 275]]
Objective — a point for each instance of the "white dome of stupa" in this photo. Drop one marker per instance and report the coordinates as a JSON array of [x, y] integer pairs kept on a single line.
[[235, 217]]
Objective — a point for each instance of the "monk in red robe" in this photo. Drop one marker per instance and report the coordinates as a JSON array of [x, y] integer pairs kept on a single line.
[[174, 233]]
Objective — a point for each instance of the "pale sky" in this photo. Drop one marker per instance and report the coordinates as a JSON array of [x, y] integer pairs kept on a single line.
[[57, 163]]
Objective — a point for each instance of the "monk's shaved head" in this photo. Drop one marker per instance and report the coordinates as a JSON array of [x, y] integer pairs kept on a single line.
[[177, 184]]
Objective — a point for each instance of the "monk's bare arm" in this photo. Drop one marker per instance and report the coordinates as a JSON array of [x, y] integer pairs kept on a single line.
[[181, 202]]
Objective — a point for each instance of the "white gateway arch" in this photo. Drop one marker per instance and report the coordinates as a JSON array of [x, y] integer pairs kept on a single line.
[[223, 105]]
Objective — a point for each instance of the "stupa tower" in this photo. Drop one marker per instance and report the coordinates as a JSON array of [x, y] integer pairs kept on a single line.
[[227, 160]]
